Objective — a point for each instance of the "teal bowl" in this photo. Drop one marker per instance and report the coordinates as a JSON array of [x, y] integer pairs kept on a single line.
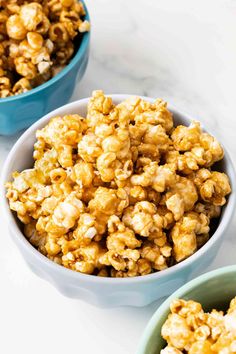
[[213, 290], [20, 111]]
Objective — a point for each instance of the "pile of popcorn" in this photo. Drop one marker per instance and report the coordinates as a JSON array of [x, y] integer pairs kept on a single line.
[[121, 192], [36, 41], [189, 329]]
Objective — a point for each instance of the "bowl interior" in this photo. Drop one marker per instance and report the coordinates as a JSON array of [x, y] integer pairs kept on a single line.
[[212, 290]]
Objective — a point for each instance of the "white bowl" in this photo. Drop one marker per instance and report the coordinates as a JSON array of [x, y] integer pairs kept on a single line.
[[109, 292]]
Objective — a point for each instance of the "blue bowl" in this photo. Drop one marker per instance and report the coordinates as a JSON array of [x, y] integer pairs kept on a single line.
[[20, 111]]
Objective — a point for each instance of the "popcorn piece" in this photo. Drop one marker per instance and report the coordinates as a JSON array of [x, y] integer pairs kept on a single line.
[[149, 113], [106, 165], [177, 332], [158, 177], [107, 202], [89, 148], [167, 216], [15, 27], [156, 134], [200, 149], [99, 108], [210, 210], [135, 193], [45, 161], [82, 173], [65, 130], [36, 239], [184, 234], [21, 86], [185, 138], [31, 15], [122, 260], [141, 267], [25, 68], [213, 186], [157, 256], [5, 86], [86, 230], [120, 237], [121, 244], [185, 163], [68, 211], [85, 259], [35, 40], [201, 347], [181, 197], [63, 134], [84, 26], [143, 218], [175, 204], [212, 149]]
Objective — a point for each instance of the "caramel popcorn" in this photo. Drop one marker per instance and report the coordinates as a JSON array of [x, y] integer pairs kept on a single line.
[[185, 232], [188, 329], [36, 41], [193, 149], [106, 195]]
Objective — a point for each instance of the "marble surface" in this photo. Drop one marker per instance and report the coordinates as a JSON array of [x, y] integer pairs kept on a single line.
[[183, 51]]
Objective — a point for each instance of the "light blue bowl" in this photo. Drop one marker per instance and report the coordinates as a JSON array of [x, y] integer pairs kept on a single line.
[[20, 111], [213, 290], [101, 291]]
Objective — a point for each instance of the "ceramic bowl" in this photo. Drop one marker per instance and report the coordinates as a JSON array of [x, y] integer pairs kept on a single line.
[[213, 290], [20, 111], [109, 292]]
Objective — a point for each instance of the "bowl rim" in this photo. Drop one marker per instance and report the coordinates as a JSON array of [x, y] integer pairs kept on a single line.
[[179, 293], [52, 266], [82, 48]]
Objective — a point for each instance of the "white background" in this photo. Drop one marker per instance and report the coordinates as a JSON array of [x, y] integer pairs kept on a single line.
[[183, 51]]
